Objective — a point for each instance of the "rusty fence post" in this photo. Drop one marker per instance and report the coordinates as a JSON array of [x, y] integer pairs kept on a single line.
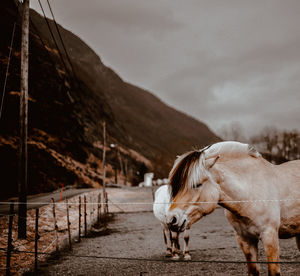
[[68, 222], [9, 238], [36, 239], [55, 225], [85, 214], [79, 217]]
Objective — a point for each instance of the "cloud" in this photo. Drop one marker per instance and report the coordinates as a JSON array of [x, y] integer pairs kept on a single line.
[[254, 86]]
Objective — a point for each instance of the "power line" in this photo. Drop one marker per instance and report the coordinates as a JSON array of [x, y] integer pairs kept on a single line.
[[53, 38], [7, 68], [62, 41], [42, 41], [9, 56]]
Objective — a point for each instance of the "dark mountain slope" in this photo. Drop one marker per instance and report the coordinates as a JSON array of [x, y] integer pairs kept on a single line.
[[66, 110], [153, 128]]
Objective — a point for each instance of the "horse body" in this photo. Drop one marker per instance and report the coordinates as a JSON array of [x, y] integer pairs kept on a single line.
[[262, 200], [290, 209], [161, 206]]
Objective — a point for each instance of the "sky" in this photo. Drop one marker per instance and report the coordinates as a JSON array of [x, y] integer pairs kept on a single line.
[[223, 62]]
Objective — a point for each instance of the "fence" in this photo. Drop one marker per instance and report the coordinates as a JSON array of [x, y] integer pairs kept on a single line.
[[58, 225], [49, 229]]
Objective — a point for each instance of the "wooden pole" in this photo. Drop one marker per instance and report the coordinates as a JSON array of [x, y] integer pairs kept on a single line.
[[116, 174], [9, 238], [120, 161], [85, 225], [55, 225], [79, 218], [36, 239], [99, 208], [69, 230], [104, 157], [22, 166]]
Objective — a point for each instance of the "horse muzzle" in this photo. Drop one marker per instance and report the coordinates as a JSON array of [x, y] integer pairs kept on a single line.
[[175, 226]]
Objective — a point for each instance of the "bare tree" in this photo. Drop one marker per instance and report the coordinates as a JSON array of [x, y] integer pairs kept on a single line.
[[233, 131], [278, 145]]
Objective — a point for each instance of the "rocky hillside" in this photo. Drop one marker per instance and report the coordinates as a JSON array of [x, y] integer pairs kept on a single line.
[[67, 106]]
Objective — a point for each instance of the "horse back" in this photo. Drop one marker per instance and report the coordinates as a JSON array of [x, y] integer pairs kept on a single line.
[[288, 174]]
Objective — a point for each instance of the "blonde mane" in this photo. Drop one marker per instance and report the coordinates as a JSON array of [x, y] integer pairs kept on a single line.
[[230, 147], [189, 169]]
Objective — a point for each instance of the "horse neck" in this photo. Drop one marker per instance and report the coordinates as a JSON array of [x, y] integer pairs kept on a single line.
[[232, 192]]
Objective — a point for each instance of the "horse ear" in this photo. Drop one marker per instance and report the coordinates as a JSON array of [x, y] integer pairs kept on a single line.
[[211, 162]]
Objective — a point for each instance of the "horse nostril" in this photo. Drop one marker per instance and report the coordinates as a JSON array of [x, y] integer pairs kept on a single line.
[[174, 220]]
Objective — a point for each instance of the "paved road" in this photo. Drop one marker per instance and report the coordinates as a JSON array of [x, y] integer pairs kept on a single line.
[[39, 200], [139, 235]]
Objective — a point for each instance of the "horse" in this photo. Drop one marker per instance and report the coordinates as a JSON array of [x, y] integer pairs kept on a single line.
[[160, 207], [261, 200]]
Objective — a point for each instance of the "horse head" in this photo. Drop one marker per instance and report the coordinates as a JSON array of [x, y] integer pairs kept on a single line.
[[194, 190], [195, 181]]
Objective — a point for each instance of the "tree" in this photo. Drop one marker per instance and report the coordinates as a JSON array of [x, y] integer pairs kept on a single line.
[[277, 145], [232, 132]]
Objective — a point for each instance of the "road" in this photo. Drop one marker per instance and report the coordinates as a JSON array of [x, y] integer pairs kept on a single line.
[[139, 235]]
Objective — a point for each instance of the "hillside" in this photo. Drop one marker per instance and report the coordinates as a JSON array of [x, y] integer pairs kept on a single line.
[[66, 110]]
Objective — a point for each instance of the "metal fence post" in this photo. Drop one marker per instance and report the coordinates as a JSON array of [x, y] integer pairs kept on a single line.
[[55, 225], [85, 214], [9, 238], [36, 239], [99, 207], [69, 230], [79, 218], [106, 203]]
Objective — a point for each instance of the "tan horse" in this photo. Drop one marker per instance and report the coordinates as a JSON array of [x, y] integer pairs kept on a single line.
[[262, 200]]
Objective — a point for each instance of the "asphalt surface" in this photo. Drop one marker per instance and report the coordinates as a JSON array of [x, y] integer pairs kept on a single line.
[[139, 236]]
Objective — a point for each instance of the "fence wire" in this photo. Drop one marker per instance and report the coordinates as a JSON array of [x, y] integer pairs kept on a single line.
[[151, 203], [93, 210], [152, 260]]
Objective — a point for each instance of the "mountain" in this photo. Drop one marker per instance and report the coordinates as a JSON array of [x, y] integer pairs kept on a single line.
[[67, 105]]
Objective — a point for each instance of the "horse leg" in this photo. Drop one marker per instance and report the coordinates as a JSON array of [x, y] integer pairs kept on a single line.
[[298, 241], [186, 251], [176, 246], [167, 239], [250, 250], [271, 245]]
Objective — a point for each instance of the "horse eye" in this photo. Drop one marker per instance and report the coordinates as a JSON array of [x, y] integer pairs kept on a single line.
[[198, 185]]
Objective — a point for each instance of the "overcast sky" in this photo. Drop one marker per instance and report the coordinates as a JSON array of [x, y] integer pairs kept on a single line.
[[221, 61]]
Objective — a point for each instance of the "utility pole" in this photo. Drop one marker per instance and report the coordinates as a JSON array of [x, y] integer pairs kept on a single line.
[[103, 158], [22, 169]]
